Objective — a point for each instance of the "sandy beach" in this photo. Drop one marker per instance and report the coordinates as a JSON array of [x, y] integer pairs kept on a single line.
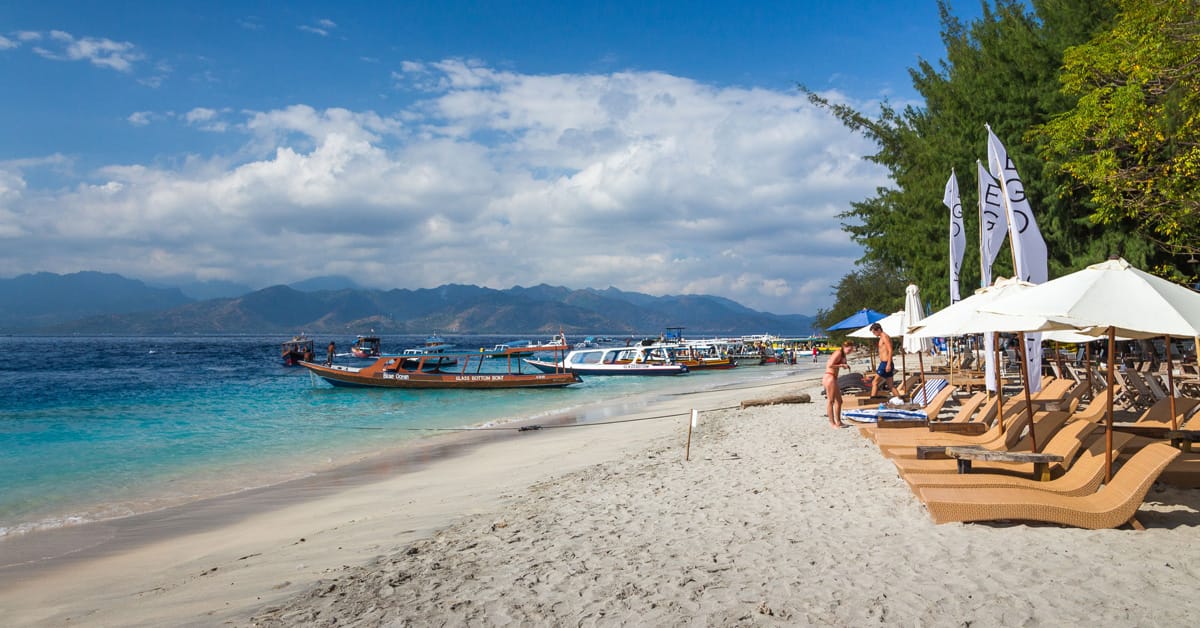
[[776, 519]]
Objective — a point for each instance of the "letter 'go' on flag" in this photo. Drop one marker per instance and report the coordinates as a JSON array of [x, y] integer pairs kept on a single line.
[[993, 223], [958, 238], [1029, 249], [993, 226]]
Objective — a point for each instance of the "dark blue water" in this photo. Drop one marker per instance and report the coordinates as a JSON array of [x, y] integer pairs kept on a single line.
[[99, 427]]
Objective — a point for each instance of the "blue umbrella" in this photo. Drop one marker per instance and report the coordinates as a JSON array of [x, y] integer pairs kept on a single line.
[[861, 318]]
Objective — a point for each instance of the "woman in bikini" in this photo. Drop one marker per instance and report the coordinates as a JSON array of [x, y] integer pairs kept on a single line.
[[833, 393]]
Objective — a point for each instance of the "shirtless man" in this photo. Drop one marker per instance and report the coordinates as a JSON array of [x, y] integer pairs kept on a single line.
[[833, 393], [886, 369]]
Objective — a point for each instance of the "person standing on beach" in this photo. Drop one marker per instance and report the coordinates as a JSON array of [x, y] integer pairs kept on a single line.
[[833, 392], [329, 353], [886, 369]]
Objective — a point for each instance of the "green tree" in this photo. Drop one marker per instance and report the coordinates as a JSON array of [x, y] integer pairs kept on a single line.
[[1133, 138], [872, 285], [1001, 69]]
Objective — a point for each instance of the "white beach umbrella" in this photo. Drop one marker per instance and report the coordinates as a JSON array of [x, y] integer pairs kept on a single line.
[[969, 316], [1112, 298], [913, 313], [1110, 295], [893, 325]]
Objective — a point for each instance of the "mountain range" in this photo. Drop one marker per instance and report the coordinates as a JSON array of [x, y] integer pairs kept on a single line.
[[101, 303]]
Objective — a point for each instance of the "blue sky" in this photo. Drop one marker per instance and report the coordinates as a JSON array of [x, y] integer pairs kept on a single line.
[[655, 147]]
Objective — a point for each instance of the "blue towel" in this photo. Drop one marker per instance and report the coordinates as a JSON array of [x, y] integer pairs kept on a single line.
[[875, 415], [929, 391]]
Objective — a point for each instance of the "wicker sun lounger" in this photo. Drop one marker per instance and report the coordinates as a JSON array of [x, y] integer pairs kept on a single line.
[[1083, 478], [1066, 443], [1047, 422], [1113, 505]]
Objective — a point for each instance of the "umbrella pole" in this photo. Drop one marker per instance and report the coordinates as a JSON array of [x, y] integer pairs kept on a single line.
[[999, 381], [1108, 430], [904, 367], [921, 364], [1171, 385], [1062, 371], [1087, 365], [1028, 402]]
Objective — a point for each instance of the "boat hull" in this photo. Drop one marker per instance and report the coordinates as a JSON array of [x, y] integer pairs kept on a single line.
[[350, 377], [610, 369]]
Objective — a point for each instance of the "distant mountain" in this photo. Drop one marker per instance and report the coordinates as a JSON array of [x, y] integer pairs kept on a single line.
[[327, 282], [215, 289], [452, 308], [44, 299]]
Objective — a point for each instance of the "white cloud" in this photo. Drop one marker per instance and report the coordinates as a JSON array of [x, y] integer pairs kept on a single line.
[[141, 118], [639, 180], [7, 44], [102, 52], [322, 27]]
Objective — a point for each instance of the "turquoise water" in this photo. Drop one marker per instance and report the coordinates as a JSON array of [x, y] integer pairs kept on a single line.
[[101, 427]]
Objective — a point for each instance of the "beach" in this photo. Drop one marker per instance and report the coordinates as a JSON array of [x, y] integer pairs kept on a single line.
[[776, 518]]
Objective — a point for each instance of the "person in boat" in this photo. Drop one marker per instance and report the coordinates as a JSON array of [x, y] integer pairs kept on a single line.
[[329, 353], [833, 392]]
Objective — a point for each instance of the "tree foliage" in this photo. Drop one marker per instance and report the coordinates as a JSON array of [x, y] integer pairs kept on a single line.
[[1133, 138], [1001, 69], [872, 285]]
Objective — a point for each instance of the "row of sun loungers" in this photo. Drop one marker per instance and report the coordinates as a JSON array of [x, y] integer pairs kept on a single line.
[[1072, 490]]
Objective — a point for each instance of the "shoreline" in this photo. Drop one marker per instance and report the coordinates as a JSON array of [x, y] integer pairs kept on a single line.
[[776, 518], [356, 434], [463, 464]]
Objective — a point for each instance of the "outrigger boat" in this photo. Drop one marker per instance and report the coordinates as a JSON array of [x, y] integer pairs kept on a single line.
[[415, 371]]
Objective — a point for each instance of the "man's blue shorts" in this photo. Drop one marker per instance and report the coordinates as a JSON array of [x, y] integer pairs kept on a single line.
[[885, 370]]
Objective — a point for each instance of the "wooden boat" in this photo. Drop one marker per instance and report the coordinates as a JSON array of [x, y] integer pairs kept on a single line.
[[365, 347], [699, 357], [413, 371], [298, 349], [635, 360]]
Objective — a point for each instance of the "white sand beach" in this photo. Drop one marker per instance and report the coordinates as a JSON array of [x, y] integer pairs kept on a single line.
[[776, 519]]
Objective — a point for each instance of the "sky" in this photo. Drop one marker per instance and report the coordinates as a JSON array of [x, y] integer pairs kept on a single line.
[[656, 147]]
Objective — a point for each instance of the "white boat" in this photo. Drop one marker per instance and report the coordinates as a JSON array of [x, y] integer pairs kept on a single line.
[[635, 360]]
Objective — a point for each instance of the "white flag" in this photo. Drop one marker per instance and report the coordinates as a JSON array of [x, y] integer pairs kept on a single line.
[[993, 226], [1029, 249], [958, 238]]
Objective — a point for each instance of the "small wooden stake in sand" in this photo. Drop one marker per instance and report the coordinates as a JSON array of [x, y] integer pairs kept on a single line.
[[693, 425]]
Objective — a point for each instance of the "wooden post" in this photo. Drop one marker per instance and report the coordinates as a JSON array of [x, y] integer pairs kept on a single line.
[[1108, 430], [1028, 403], [999, 381], [693, 424]]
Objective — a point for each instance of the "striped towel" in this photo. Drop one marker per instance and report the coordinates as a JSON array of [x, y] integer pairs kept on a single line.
[[931, 388], [875, 415]]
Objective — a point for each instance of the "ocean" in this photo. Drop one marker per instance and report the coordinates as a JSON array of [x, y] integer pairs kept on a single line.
[[94, 428]]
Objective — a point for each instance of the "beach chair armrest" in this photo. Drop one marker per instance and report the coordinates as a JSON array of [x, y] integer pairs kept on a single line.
[[901, 423], [959, 428]]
